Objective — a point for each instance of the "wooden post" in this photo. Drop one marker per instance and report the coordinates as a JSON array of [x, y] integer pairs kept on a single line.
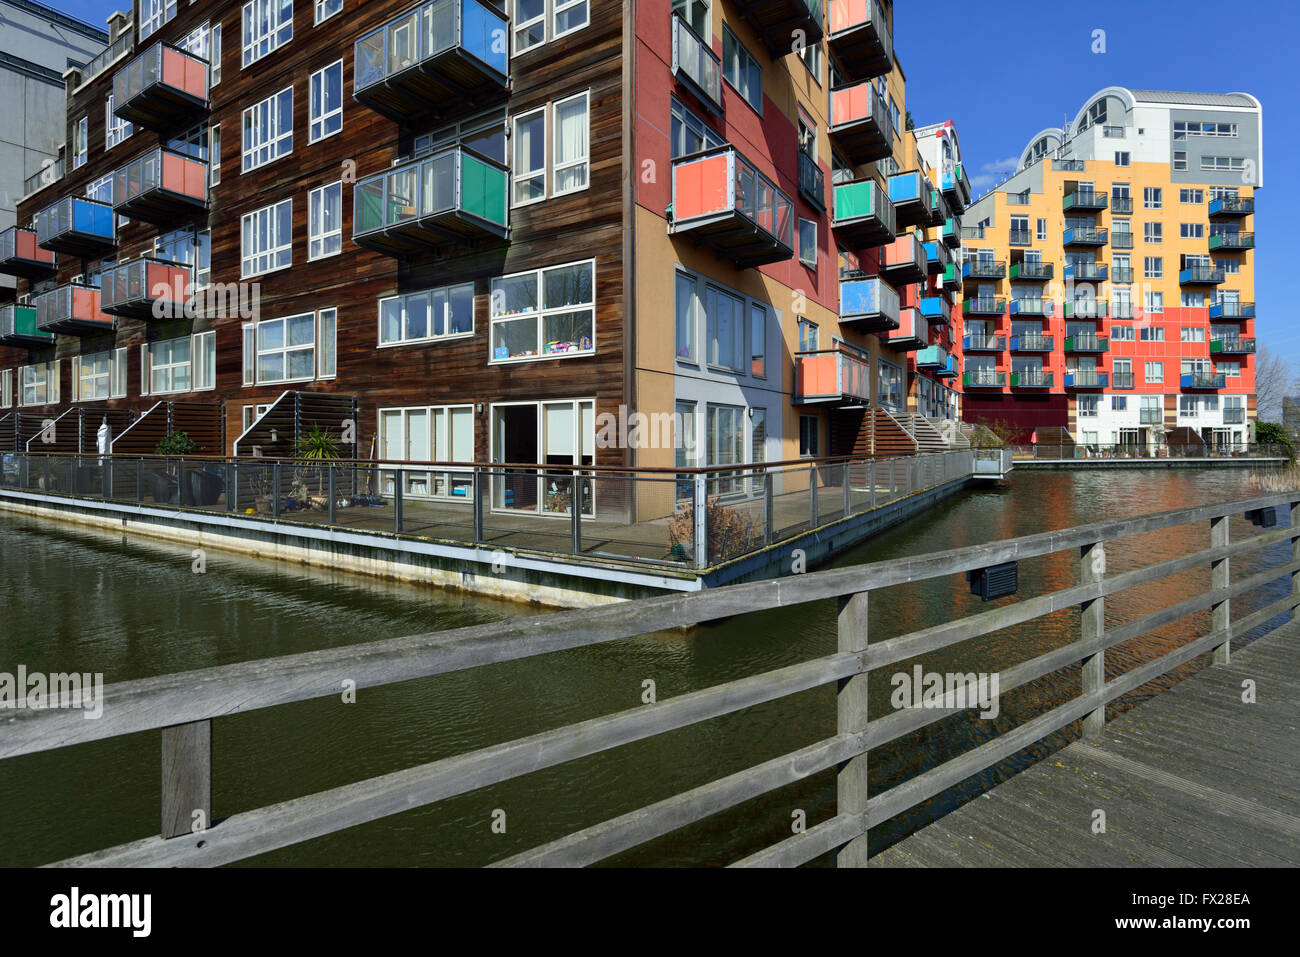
[[851, 718], [1092, 568], [1219, 578], [186, 778]]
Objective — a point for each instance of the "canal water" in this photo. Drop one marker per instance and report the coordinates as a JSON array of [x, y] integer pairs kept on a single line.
[[129, 608]]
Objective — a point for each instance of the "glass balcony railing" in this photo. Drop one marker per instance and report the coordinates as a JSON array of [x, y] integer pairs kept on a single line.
[[434, 55], [72, 309], [1020, 237], [910, 194], [936, 310], [831, 375], [982, 343], [20, 255], [1121, 310], [955, 183], [82, 227], [1031, 379], [1202, 380], [161, 88], [938, 257], [1228, 242], [1207, 275], [860, 123], [860, 36], [1121, 380], [1231, 206], [932, 357], [911, 333], [1151, 416], [904, 260], [108, 56], [1086, 342], [695, 64], [983, 269], [1232, 345], [1085, 272], [440, 200], [145, 288], [951, 232], [1031, 342], [871, 304], [1121, 205], [1232, 310], [1234, 415], [49, 173], [18, 327], [1085, 200], [983, 306], [721, 199], [1087, 379], [983, 379], [812, 181], [952, 276], [1084, 236], [861, 214], [1121, 274], [1036, 271], [1121, 239], [1032, 306], [160, 187], [1086, 309]]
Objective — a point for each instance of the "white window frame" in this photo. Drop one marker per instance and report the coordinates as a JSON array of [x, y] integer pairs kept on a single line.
[[809, 262], [541, 313], [316, 87], [584, 161], [6, 388], [268, 126], [263, 260], [214, 154], [44, 383], [548, 18], [154, 14], [149, 365], [258, 43], [516, 175], [404, 339], [80, 142], [441, 445], [284, 350], [115, 131], [326, 9], [323, 243]]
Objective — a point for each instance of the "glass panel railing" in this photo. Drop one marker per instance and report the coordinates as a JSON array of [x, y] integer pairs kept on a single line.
[[160, 169], [453, 180], [142, 281], [695, 62], [853, 104], [1031, 342], [73, 302], [847, 15], [72, 214], [50, 172], [20, 246], [868, 297], [163, 64], [18, 325], [478, 29], [122, 45]]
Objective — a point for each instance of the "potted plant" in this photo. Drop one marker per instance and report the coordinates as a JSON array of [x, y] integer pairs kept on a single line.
[[316, 444]]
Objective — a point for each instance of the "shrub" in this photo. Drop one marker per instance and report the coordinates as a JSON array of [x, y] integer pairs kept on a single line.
[[728, 531], [177, 443]]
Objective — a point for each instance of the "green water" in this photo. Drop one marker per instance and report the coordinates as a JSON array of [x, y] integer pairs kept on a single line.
[[91, 602]]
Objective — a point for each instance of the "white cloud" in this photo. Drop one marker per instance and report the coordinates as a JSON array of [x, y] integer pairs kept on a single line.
[[993, 173]]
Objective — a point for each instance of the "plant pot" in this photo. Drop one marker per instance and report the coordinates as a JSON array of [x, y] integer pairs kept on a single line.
[[205, 488], [163, 487]]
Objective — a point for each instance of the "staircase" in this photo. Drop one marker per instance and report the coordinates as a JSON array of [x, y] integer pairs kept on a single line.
[[926, 436], [953, 433]]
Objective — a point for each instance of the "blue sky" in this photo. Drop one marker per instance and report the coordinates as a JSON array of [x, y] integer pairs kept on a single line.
[[1003, 76], [1004, 70]]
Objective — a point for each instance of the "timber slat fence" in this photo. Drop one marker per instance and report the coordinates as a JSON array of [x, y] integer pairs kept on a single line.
[[183, 706]]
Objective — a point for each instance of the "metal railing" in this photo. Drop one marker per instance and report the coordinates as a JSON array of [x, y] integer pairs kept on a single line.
[[426, 31], [183, 707], [119, 47], [1057, 453], [812, 181], [50, 172], [431, 186], [695, 61]]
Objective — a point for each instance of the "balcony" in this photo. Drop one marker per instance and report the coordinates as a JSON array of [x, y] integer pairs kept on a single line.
[[1121, 310], [695, 66], [50, 172], [443, 200], [1085, 201], [161, 187], [940, 212], [870, 304], [722, 201], [1200, 276], [1231, 242], [952, 277], [859, 36], [1234, 415], [1202, 380], [910, 194], [983, 379], [1087, 342], [948, 370], [77, 226], [1084, 236], [161, 89], [932, 357], [18, 327], [1121, 205], [1121, 239], [812, 182], [1031, 342], [1032, 271], [1087, 379], [1031, 379], [983, 269], [1151, 416], [1231, 207], [776, 20], [434, 59], [1086, 309], [861, 214], [72, 309], [1121, 380], [1122, 274], [1085, 272], [1232, 310], [978, 343], [21, 256], [832, 377], [904, 260], [983, 306], [1019, 237], [1032, 306], [957, 187], [860, 123], [912, 332], [936, 310], [1232, 346], [937, 258], [144, 288]]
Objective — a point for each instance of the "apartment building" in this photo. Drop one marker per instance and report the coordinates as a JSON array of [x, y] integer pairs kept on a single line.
[[482, 232], [1108, 284]]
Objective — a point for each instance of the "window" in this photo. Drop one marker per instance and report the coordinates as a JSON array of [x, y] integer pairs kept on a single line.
[[38, 384], [725, 329], [6, 388], [1121, 333], [534, 19], [809, 433], [685, 322], [1183, 130], [1153, 233], [268, 25], [203, 350], [1193, 197], [268, 130], [1152, 334], [690, 134], [741, 70], [1223, 164], [757, 340], [1087, 406], [808, 242], [153, 14], [684, 440], [1230, 369], [1228, 265], [1191, 230], [204, 42], [544, 314], [1119, 403], [284, 350], [326, 9], [440, 433], [1042, 230], [81, 142], [115, 130], [1151, 197], [1154, 267], [724, 443], [440, 313], [266, 242], [811, 55], [326, 103], [530, 157], [807, 336], [889, 385], [1155, 302], [185, 364], [188, 246], [325, 221], [1180, 160], [695, 13], [95, 376], [1121, 159], [1187, 406], [569, 162], [1192, 334], [214, 153]]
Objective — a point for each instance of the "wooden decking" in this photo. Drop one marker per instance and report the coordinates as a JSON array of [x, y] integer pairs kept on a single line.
[[1192, 778]]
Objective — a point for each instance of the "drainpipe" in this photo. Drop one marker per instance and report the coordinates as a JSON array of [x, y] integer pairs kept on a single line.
[[629, 217]]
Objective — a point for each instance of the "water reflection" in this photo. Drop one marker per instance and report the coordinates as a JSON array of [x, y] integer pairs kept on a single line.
[[94, 602]]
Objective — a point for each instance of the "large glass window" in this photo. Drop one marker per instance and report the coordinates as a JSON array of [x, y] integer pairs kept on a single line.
[[153, 14], [544, 314], [742, 70], [268, 25], [569, 160], [725, 445], [530, 157], [326, 102], [689, 133], [268, 130], [424, 316], [685, 322], [38, 384], [726, 329], [325, 221], [267, 239], [429, 434], [536, 21]]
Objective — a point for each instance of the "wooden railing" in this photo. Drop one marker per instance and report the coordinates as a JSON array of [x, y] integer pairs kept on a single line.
[[184, 706]]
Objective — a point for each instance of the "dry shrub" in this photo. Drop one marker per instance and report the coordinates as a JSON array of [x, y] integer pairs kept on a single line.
[[1284, 479], [728, 531]]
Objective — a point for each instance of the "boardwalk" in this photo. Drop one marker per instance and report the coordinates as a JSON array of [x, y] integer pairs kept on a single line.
[[1194, 777]]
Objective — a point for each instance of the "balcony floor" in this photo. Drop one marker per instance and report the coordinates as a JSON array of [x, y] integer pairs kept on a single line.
[[161, 207], [449, 82], [161, 108], [430, 233]]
